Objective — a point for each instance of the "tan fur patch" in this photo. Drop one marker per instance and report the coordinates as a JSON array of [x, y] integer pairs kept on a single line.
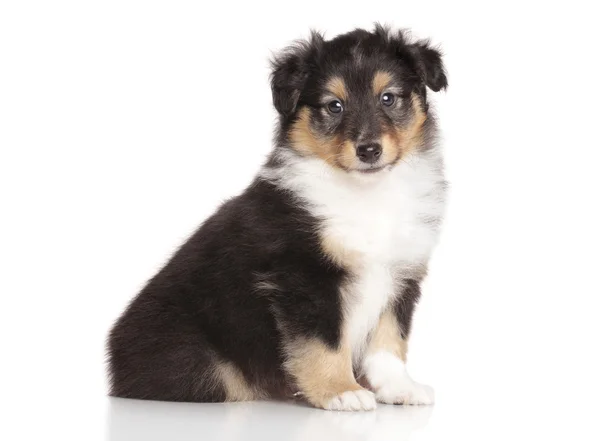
[[411, 136], [398, 142], [387, 336], [338, 253], [308, 143], [381, 80], [320, 372], [392, 149], [337, 87], [347, 156], [236, 387]]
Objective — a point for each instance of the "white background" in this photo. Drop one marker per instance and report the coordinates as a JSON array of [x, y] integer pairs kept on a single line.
[[123, 124]]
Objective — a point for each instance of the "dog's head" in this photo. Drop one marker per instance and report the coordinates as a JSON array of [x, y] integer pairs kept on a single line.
[[358, 101]]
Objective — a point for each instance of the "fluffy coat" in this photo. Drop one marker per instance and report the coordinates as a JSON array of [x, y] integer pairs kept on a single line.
[[305, 284]]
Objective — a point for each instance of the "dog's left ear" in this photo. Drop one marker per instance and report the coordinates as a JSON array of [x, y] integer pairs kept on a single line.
[[428, 63], [290, 72]]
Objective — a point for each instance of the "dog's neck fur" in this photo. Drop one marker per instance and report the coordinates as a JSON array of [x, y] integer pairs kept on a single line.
[[374, 213]]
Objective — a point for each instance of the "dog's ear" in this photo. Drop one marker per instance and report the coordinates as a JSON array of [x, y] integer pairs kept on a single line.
[[420, 56], [428, 64], [290, 72]]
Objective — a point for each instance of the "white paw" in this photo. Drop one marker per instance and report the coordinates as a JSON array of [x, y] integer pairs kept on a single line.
[[387, 376], [405, 392], [361, 399]]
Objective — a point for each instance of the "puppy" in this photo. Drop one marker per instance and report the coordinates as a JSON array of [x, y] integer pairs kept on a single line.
[[305, 284]]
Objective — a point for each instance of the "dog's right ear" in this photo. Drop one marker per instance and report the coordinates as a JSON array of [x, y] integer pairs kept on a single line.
[[290, 71]]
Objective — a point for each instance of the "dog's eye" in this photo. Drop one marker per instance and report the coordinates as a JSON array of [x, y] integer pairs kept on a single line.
[[387, 99], [335, 106]]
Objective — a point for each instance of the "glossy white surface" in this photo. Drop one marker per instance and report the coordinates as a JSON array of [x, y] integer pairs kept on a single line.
[[133, 420], [137, 420]]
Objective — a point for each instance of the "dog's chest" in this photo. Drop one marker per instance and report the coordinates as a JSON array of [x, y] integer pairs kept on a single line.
[[383, 231], [384, 228], [379, 227]]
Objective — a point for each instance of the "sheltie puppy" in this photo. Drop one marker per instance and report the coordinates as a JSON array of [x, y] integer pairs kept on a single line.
[[305, 284]]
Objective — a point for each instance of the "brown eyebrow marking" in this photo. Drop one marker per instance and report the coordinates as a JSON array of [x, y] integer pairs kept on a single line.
[[381, 80], [337, 87]]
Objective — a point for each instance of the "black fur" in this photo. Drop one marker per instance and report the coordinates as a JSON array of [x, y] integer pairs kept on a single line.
[[405, 305], [203, 305]]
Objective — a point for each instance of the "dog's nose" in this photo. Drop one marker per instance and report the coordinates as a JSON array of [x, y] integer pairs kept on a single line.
[[368, 153]]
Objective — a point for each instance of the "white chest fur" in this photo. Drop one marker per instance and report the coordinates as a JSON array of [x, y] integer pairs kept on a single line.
[[387, 222]]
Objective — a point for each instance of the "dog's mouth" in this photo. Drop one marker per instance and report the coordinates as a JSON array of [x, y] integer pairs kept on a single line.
[[376, 168], [371, 170]]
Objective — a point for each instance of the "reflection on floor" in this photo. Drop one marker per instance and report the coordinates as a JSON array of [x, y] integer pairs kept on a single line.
[[132, 420]]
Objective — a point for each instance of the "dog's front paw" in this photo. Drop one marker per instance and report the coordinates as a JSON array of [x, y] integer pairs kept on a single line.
[[405, 392], [361, 399], [387, 376]]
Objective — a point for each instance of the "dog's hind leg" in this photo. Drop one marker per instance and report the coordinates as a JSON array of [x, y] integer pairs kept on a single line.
[[324, 375]]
